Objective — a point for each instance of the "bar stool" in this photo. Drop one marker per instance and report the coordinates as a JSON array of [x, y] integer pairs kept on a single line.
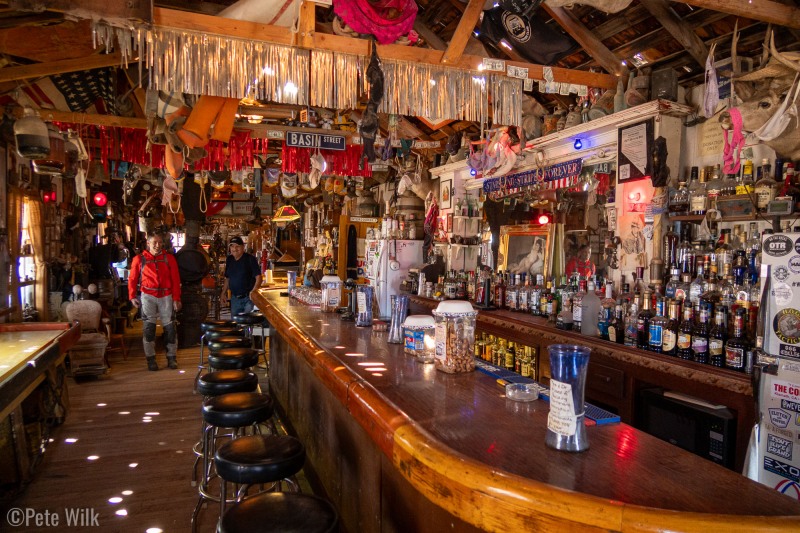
[[216, 384], [280, 512], [238, 411], [208, 328], [248, 321], [258, 460], [233, 358]]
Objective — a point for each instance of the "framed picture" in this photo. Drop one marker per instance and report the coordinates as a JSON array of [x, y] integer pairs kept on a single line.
[[445, 194], [524, 249], [634, 151]]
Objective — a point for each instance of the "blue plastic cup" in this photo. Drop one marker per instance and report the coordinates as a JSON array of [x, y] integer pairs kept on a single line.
[[565, 428]]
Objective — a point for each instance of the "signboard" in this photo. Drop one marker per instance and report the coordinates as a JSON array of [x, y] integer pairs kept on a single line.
[[634, 160], [302, 139], [557, 176]]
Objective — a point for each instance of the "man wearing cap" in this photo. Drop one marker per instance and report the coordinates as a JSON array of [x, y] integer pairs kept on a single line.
[[154, 286], [242, 275]]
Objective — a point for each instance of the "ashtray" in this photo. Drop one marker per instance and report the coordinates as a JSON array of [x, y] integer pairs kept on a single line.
[[522, 392]]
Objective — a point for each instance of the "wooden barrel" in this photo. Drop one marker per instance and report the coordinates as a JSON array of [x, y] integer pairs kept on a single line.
[[412, 208]]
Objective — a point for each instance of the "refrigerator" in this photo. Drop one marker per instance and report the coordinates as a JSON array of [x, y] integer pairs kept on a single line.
[[386, 263]]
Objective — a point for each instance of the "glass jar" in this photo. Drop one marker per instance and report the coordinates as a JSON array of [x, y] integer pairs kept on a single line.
[[455, 336], [31, 135], [364, 296], [56, 159], [419, 337], [331, 293]]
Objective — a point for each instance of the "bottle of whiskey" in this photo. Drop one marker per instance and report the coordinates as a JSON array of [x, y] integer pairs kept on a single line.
[[657, 326], [700, 335], [577, 299], [669, 344], [698, 201], [737, 347], [765, 187], [643, 322], [716, 339], [684, 350], [616, 329]]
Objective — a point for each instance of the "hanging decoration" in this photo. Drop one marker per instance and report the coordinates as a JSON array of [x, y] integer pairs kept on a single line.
[[506, 101], [338, 163]]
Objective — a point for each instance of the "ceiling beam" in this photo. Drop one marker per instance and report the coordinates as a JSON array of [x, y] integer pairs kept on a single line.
[[430, 37], [97, 120], [591, 44], [307, 23], [128, 10], [763, 10], [337, 43], [677, 28], [39, 70]]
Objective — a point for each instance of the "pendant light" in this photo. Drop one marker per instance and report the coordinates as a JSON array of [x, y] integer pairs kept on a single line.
[[30, 133]]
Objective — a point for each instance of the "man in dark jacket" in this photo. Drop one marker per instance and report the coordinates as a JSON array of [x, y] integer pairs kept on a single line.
[[242, 275], [154, 285]]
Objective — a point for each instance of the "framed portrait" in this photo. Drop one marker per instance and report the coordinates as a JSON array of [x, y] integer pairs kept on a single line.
[[445, 194], [525, 249]]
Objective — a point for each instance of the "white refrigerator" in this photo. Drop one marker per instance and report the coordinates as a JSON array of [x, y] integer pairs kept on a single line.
[[387, 262]]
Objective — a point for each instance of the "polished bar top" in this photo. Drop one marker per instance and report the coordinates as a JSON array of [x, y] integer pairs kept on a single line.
[[483, 457]]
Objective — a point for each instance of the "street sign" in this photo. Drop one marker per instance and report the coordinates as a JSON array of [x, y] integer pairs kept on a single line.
[[301, 139]]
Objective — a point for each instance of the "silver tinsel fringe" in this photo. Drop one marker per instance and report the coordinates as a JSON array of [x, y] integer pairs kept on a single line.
[[217, 65]]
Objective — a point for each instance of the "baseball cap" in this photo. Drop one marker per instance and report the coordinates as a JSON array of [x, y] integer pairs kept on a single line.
[[237, 240]]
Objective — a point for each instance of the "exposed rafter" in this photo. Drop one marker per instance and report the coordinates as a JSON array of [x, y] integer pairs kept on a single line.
[[465, 28], [677, 28], [764, 10], [39, 70], [591, 44]]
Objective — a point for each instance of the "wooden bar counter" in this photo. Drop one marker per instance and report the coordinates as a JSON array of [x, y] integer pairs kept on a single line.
[[400, 446]]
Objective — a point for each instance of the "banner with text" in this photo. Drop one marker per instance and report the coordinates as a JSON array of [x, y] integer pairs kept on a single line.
[[557, 176]]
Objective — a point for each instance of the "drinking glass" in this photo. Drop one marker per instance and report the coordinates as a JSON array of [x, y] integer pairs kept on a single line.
[[565, 428]]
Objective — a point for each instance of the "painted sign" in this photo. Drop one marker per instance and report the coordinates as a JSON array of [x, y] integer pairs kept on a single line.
[[302, 139], [553, 177]]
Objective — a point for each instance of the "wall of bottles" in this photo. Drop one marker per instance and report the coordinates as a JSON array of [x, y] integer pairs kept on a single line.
[[503, 353]]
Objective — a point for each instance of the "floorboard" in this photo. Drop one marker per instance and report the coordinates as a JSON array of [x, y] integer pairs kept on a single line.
[[107, 417]]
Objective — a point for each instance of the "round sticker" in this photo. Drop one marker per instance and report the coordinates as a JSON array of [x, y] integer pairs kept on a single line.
[[794, 264], [783, 294], [780, 273], [778, 245], [786, 325]]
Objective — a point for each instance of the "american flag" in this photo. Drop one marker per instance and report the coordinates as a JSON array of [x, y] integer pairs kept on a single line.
[[86, 88]]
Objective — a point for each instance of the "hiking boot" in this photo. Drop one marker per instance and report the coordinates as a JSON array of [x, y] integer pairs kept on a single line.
[[172, 363], [151, 364]]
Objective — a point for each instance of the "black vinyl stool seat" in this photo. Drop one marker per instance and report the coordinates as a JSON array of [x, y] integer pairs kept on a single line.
[[226, 382], [238, 409], [250, 319], [209, 325], [214, 334], [233, 358], [228, 341], [259, 459], [280, 512]]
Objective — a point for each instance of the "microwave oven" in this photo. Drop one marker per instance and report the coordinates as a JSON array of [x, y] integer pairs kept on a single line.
[[694, 425]]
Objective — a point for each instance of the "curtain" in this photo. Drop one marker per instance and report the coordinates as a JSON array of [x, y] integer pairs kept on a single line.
[[15, 201], [35, 208], [558, 263]]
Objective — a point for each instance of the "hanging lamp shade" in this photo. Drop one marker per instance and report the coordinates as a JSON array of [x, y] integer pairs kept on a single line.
[[286, 213]]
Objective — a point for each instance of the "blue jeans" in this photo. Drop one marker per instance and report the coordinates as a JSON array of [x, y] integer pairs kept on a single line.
[[240, 305]]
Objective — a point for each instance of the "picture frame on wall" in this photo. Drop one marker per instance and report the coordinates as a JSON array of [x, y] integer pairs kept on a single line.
[[524, 248], [634, 151], [445, 194]]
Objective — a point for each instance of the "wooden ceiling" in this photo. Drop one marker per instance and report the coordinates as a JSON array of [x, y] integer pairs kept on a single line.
[[662, 33]]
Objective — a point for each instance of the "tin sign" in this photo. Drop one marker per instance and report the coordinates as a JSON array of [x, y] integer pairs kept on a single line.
[[301, 139]]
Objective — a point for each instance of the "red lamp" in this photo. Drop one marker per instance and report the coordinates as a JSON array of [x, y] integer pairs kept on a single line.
[[544, 219], [100, 199]]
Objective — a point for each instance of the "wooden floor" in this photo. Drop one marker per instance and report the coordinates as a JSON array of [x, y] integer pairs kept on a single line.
[[121, 453]]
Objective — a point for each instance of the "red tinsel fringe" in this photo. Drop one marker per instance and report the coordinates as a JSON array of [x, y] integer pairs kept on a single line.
[[339, 162]]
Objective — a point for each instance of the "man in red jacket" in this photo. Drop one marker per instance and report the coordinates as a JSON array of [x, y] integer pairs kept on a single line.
[[154, 286]]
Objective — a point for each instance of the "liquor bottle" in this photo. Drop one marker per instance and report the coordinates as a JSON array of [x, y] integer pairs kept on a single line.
[[577, 311], [727, 289], [461, 289], [728, 185], [657, 326], [716, 339], [438, 291], [669, 344], [471, 286], [510, 360], [590, 311], [512, 291], [698, 201], [643, 322], [535, 294], [696, 287], [500, 353], [724, 250], [714, 186], [631, 331], [450, 286], [738, 345], [748, 182], [683, 290], [500, 292], [684, 350], [686, 255], [671, 289], [525, 366], [607, 308], [679, 201], [523, 294], [766, 187], [564, 320], [544, 297], [616, 328], [671, 242], [700, 335]]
